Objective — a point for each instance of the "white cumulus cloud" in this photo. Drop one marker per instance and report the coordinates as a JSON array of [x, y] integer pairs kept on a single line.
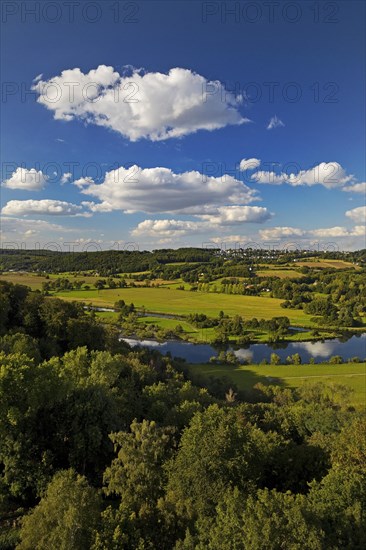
[[224, 217], [358, 215], [229, 239], [280, 232], [26, 180], [42, 207], [66, 178], [154, 106], [356, 188], [337, 231], [273, 233], [249, 164], [154, 190], [166, 228], [328, 174], [235, 215]]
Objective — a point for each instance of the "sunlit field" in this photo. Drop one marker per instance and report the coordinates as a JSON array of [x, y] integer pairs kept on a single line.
[[178, 302], [245, 377]]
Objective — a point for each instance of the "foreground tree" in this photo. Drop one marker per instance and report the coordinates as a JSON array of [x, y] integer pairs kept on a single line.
[[266, 521], [217, 450], [65, 518], [136, 480]]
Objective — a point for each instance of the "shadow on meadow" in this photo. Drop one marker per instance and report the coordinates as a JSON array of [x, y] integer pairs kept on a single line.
[[220, 378]]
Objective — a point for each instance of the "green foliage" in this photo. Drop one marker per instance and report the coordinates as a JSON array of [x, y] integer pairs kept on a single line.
[[268, 520], [137, 474], [216, 450], [66, 517]]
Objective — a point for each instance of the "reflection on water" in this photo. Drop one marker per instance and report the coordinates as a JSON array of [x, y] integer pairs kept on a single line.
[[244, 354], [97, 308], [144, 343], [319, 349], [322, 350]]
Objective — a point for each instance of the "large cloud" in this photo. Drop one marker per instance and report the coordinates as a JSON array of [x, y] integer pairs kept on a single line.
[[156, 190], [155, 106], [328, 174], [358, 215], [27, 180], [42, 207]]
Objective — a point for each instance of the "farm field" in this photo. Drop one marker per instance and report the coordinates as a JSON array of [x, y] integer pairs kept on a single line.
[[281, 273], [178, 302], [32, 280], [336, 264], [245, 377]]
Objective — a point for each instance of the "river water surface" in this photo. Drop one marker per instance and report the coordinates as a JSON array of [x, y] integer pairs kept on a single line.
[[320, 350]]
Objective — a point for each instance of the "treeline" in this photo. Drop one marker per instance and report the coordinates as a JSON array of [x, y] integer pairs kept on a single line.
[[105, 262], [213, 262]]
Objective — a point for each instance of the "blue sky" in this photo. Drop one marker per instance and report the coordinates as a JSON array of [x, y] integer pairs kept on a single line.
[[187, 93]]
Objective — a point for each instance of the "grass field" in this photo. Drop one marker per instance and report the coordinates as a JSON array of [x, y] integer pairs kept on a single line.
[[178, 302], [281, 273], [29, 279], [336, 264], [245, 377]]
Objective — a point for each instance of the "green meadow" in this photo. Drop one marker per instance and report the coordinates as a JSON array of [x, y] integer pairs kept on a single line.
[[178, 302], [245, 377]]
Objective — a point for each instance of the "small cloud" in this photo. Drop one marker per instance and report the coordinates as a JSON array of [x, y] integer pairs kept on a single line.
[[60, 140], [37, 78], [275, 122], [249, 164], [356, 188], [66, 178], [358, 215]]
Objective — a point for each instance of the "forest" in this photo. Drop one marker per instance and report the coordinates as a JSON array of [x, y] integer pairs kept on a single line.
[[110, 262], [103, 447]]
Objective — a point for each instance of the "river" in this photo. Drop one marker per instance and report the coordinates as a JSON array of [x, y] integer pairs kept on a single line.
[[319, 350]]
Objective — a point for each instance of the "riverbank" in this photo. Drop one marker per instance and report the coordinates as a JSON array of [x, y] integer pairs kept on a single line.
[[162, 326]]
